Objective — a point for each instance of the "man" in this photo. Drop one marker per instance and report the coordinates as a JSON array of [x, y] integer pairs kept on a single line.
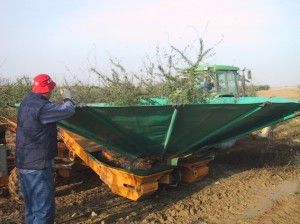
[[36, 147], [208, 85]]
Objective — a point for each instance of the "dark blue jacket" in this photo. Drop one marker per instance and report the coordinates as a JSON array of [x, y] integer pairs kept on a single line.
[[36, 143]]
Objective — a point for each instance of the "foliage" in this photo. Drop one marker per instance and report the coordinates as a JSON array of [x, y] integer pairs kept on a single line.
[[252, 89], [263, 87], [163, 77], [119, 88], [13, 92]]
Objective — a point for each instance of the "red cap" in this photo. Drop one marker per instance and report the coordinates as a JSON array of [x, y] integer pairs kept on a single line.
[[43, 83]]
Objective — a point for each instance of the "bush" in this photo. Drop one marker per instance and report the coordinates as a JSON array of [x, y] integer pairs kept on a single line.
[[263, 87], [161, 78], [11, 93]]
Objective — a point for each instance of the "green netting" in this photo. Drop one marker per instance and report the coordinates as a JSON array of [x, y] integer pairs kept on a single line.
[[168, 131]]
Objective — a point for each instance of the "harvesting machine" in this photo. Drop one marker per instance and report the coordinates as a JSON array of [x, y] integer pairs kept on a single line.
[[134, 149]]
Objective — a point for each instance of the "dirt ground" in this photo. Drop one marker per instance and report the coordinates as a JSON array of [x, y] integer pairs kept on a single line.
[[256, 181], [285, 92]]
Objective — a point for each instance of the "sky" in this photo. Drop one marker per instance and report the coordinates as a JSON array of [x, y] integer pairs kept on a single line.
[[64, 38]]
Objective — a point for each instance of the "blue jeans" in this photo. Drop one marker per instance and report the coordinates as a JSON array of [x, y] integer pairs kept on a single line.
[[38, 190]]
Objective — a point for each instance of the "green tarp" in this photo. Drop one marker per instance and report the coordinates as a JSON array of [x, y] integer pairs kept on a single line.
[[169, 131]]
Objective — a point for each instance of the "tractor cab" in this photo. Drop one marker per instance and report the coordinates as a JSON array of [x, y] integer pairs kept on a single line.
[[225, 80]]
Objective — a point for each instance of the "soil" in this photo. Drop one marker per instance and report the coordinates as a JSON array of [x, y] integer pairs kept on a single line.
[[256, 181], [285, 92]]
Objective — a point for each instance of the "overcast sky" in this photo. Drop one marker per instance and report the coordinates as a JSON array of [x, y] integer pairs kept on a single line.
[[61, 37]]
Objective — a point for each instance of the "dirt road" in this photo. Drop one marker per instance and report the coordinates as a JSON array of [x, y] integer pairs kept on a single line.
[[253, 184]]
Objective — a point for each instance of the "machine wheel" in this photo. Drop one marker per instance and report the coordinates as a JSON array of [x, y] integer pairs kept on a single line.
[[14, 186]]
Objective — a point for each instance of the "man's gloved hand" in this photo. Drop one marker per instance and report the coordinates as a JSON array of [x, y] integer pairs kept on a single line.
[[66, 93], [81, 105]]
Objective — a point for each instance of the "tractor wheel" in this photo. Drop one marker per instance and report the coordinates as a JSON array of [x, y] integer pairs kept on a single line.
[[14, 186]]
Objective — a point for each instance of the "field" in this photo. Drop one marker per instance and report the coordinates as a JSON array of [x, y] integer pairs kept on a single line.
[[286, 92], [257, 181]]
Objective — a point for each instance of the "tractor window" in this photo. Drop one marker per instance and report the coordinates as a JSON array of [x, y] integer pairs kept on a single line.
[[227, 82]]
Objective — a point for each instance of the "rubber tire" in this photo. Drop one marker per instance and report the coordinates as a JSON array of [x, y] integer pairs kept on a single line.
[[14, 186]]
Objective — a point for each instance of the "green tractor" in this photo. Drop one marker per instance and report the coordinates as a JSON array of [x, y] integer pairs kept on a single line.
[[226, 80]]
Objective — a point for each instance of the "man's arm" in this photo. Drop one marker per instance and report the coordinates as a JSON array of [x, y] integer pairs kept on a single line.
[[52, 112]]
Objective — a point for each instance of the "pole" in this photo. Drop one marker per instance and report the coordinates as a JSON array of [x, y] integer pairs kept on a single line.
[[244, 83]]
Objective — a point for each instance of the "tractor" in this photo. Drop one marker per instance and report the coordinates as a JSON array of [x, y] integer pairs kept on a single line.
[[227, 80]]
